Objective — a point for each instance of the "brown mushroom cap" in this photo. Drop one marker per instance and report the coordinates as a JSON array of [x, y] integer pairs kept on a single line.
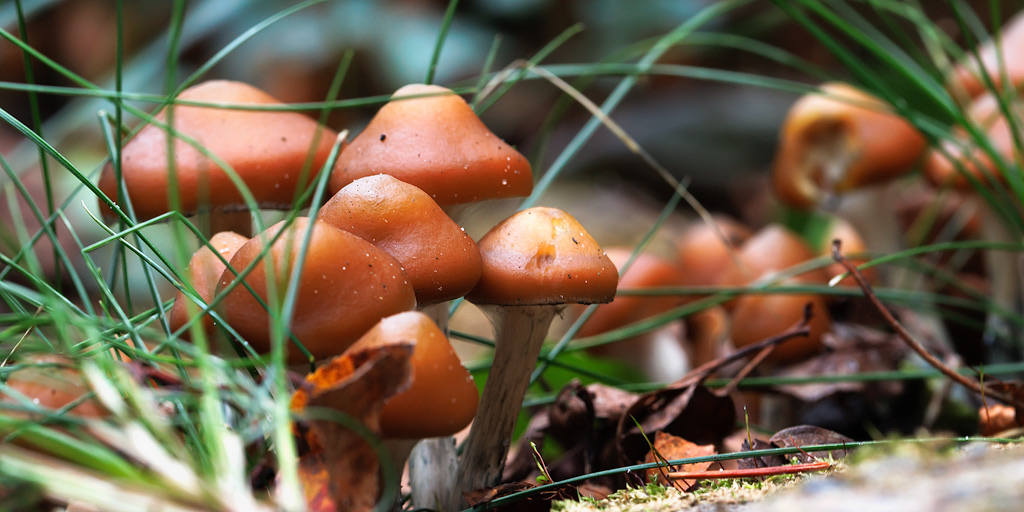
[[347, 286], [204, 270], [968, 77], [442, 398], [442, 261], [985, 112], [437, 143], [52, 387], [543, 256], [702, 254], [268, 150], [757, 317], [646, 271], [835, 142]]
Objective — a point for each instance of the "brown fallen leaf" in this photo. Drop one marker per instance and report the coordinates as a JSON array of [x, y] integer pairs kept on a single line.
[[316, 483], [534, 503], [670, 447], [356, 384], [807, 435], [996, 418]]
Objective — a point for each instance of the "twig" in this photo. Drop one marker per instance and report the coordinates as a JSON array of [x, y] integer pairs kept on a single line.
[[750, 472], [909, 340]]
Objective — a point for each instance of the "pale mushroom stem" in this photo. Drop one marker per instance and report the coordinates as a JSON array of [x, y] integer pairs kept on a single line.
[[432, 463], [399, 449], [438, 313], [1004, 278], [519, 334]]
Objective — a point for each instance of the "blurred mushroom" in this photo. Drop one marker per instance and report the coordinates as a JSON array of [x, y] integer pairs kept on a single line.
[[967, 76], [276, 154], [203, 272], [659, 354], [49, 383], [703, 255], [535, 262], [347, 285], [843, 140]]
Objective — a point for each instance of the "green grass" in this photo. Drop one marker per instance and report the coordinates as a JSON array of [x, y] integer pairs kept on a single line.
[[230, 410]]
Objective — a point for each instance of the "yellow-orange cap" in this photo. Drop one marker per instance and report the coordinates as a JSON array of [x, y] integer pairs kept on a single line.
[[442, 398], [543, 256], [840, 140], [347, 286], [269, 151], [430, 137], [442, 261], [203, 272]]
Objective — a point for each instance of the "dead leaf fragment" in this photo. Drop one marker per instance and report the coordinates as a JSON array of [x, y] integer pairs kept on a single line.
[[671, 447], [356, 384]]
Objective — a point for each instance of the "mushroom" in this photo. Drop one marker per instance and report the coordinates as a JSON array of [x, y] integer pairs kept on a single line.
[[440, 401], [442, 261], [276, 154], [840, 141], [347, 285], [204, 270], [50, 382], [967, 76], [765, 256], [961, 164], [430, 137], [659, 354], [535, 262]]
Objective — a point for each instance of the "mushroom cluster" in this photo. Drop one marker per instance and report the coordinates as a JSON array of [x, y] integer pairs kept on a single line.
[[382, 246]]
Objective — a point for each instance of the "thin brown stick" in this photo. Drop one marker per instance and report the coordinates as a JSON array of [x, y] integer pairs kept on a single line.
[[909, 340], [750, 472]]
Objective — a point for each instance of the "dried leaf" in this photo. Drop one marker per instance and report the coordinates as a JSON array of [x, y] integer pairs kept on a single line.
[[672, 447], [691, 412], [534, 503], [356, 384], [763, 461], [316, 483], [805, 435]]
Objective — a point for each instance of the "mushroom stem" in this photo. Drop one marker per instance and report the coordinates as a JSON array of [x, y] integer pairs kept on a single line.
[[432, 463], [519, 334], [439, 314], [399, 450], [1004, 278]]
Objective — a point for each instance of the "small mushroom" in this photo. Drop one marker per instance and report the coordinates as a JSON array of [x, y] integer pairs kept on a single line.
[[659, 354], [204, 270], [535, 262], [347, 285], [430, 137], [442, 261], [441, 399], [275, 154], [967, 76]]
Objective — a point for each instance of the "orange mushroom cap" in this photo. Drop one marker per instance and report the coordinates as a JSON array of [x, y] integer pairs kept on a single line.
[[835, 142], [442, 398], [967, 76], [52, 387], [543, 256], [442, 261], [270, 151], [770, 250], [646, 271], [757, 317], [347, 286], [430, 137], [204, 270], [702, 254], [984, 111]]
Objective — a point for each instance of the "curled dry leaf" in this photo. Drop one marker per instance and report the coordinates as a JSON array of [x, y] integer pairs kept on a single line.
[[357, 383], [669, 447]]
